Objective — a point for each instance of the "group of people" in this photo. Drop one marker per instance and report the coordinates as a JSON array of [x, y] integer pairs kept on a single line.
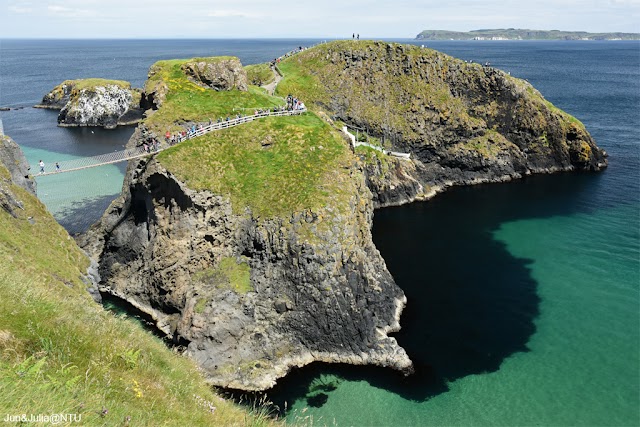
[[288, 54], [41, 165], [151, 144], [355, 36], [294, 103]]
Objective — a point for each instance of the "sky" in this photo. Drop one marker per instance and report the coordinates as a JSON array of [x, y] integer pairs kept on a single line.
[[304, 18]]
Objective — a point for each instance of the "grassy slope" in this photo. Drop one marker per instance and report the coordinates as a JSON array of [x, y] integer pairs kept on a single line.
[[187, 101], [275, 166], [259, 74], [388, 99], [62, 353], [300, 168]]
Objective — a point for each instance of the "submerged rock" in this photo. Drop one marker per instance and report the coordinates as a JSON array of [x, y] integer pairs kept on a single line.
[[94, 102]]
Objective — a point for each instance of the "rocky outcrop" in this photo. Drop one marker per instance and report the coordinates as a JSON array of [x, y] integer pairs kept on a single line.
[[220, 73], [251, 298], [12, 158], [58, 98], [95, 102], [463, 123]]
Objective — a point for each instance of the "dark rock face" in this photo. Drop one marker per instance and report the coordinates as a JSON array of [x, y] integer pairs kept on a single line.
[[103, 104], [58, 97], [217, 73], [324, 296], [12, 157]]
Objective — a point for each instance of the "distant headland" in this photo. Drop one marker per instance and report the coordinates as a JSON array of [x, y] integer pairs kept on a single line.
[[520, 34]]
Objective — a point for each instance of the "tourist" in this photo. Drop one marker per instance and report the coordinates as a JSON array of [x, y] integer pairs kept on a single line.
[[41, 164], [57, 167]]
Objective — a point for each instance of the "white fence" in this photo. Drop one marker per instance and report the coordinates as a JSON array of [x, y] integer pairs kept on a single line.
[[355, 144]]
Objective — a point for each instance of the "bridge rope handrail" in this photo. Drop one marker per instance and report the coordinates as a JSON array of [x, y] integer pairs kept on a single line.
[[140, 151]]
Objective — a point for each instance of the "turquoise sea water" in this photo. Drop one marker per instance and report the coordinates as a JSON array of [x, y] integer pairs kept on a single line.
[[580, 366], [523, 298]]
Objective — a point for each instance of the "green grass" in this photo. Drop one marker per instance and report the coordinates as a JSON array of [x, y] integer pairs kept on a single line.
[[93, 82], [62, 353], [386, 99], [420, 94], [259, 74], [489, 145], [275, 166], [186, 101], [228, 274]]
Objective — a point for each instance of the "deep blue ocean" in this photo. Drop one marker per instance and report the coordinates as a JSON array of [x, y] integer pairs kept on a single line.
[[523, 298]]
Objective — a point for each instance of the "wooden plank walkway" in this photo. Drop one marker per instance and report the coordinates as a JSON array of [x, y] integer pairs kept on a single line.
[[134, 153]]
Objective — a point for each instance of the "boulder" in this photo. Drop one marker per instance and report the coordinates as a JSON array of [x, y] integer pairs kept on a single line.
[[219, 73]]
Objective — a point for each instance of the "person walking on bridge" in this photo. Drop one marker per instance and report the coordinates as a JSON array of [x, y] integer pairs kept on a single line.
[[41, 164]]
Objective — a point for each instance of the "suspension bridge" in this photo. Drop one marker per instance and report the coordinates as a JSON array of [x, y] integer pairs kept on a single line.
[[142, 151]]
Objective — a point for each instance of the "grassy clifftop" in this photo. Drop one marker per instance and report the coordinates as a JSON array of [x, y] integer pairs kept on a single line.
[[423, 100], [183, 101], [275, 166], [62, 353]]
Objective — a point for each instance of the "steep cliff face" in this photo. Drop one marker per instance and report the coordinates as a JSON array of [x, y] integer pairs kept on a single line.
[[252, 297], [94, 102], [12, 157], [463, 123]]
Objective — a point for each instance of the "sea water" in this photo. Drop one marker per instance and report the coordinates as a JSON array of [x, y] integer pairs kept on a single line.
[[523, 298]]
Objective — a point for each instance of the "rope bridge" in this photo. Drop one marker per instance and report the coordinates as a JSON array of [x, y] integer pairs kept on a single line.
[[137, 152]]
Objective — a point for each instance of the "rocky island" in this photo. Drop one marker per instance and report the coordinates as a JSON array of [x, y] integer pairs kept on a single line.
[[522, 34], [251, 246], [94, 102]]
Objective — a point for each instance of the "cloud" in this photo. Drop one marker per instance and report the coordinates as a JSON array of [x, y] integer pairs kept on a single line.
[[68, 12], [18, 9], [230, 14]]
